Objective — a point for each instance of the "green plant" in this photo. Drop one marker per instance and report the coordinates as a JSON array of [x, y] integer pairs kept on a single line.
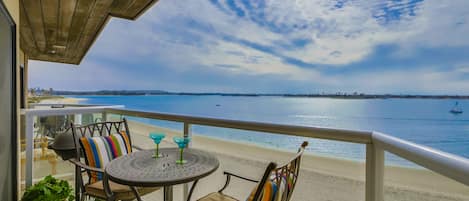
[[49, 189]]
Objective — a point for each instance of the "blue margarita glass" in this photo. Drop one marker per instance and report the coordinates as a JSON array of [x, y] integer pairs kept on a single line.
[[182, 143], [157, 137]]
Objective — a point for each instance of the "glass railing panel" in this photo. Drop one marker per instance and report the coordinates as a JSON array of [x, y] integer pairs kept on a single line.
[[140, 129], [405, 180], [47, 161]]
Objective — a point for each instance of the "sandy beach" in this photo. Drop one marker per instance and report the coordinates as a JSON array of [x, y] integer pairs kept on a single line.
[[66, 100], [321, 178]]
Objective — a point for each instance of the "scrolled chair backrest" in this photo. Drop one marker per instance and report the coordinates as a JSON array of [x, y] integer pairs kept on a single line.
[[279, 182], [286, 176], [99, 143]]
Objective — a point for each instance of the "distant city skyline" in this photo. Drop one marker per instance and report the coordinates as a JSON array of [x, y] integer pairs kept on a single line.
[[255, 46]]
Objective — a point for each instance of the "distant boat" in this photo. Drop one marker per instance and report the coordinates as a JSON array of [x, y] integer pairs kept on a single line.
[[456, 109]]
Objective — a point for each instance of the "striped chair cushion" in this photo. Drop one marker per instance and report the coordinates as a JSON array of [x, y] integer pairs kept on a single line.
[[99, 151], [277, 188], [283, 189], [269, 193]]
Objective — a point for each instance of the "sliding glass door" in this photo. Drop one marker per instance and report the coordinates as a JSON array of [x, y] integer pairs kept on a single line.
[[8, 110]]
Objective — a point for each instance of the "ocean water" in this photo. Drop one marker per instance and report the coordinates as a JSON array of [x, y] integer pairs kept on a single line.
[[423, 121]]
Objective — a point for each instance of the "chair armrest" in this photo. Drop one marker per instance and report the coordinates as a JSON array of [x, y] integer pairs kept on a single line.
[[241, 177], [228, 179], [138, 148], [84, 166]]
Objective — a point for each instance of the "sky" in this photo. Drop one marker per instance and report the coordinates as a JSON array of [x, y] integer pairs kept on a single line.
[[277, 46]]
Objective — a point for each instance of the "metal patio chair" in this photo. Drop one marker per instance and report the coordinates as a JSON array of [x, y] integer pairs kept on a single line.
[[283, 177], [95, 186]]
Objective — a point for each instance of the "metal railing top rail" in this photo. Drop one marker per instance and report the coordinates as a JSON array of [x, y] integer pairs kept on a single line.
[[32, 105], [303, 131], [67, 110], [446, 164]]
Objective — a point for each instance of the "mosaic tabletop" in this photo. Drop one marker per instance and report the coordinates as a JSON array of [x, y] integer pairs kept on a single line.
[[141, 169]]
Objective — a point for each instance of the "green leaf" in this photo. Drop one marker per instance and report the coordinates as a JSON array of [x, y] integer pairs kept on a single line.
[[49, 189]]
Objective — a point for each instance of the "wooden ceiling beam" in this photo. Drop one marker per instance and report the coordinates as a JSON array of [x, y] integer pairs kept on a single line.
[[93, 27], [65, 16], [49, 14], [27, 41], [34, 15]]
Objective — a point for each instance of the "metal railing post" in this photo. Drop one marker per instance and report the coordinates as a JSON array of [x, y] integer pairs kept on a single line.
[[29, 150], [104, 116], [187, 133], [374, 183], [77, 118]]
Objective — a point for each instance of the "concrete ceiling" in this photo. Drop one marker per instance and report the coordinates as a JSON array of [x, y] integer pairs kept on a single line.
[[63, 30]]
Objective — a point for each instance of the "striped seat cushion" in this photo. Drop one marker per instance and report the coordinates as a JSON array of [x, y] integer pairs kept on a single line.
[[99, 151]]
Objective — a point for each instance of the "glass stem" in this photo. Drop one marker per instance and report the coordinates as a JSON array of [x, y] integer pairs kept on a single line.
[[157, 150], [182, 150]]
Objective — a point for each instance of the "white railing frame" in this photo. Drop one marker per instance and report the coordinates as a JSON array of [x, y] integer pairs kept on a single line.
[[449, 165], [43, 112]]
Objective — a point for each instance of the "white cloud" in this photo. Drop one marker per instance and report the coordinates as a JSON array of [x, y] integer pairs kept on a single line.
[[253, 62], [88, 76], [340, 35], [442, 23], [150, 38], [422, 80]]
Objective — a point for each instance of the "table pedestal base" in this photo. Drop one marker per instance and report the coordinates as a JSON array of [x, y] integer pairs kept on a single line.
[[168, 193]]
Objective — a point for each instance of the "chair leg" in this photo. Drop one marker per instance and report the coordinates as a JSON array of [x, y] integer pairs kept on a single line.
[[192, 190], [134, 190], [77, 184], [83, 196], [107, 189], [228, 178], [112, 198]]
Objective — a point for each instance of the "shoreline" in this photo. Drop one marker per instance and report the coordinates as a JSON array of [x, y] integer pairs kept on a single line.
[[335, 96], [64, 100], [342, 97]]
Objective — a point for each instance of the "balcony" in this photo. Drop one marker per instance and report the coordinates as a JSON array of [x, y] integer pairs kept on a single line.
[[440, 176]]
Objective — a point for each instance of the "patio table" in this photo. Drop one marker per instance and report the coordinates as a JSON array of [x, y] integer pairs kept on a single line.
[[139, 169]]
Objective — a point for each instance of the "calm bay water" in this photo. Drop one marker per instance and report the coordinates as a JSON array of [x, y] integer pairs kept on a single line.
[[423, 121]]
